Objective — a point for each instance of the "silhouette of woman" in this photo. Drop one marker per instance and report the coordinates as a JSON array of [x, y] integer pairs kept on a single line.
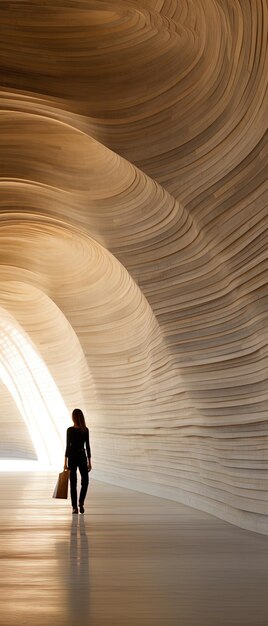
[[77, 457]]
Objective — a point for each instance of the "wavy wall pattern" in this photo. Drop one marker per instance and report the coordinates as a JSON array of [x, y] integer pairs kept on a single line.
[[133, 229]]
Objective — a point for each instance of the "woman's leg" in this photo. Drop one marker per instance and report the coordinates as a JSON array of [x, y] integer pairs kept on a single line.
[[84, 479], [73, 482]]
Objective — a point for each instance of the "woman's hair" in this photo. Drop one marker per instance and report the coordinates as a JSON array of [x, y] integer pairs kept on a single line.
[[78, 419]]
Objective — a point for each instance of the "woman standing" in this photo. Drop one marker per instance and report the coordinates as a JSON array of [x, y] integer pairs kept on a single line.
[[77, 457]]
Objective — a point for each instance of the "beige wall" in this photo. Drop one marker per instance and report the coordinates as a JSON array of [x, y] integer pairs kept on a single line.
[[133, 246]]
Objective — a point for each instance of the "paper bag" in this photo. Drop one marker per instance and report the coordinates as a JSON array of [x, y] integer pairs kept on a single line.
[[61, 489]]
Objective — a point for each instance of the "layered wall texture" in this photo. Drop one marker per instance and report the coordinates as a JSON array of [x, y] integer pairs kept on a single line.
[[133, 236]]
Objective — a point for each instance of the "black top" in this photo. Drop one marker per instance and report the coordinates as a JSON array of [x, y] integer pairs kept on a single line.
[[76, 440]]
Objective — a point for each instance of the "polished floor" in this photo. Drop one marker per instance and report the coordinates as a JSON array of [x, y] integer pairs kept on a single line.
[[132, 559]]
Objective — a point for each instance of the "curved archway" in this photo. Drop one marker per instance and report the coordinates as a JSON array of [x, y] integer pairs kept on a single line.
[[35, 393]]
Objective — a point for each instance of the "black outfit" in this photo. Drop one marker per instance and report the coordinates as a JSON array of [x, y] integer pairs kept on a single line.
[[77, 439]]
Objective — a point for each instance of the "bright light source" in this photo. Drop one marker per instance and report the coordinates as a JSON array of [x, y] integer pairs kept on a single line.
[[36, 395], [14, 465]]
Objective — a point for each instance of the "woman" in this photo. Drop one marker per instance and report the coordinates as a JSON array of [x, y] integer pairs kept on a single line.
[[75, 457]]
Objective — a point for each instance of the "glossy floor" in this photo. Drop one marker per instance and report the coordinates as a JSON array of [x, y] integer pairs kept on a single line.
[[132, 559]]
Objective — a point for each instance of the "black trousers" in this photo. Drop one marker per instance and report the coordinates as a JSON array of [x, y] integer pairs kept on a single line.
[[78, 461]]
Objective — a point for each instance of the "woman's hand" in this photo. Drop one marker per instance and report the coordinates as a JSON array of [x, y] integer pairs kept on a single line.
[[89, 466], [65, 467]]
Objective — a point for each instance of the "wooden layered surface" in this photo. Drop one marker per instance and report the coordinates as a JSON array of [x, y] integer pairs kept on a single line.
[[133, 233], [130, 559]]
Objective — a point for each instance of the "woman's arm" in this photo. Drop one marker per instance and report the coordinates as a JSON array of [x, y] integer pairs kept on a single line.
[[89, 466], [67, 451]]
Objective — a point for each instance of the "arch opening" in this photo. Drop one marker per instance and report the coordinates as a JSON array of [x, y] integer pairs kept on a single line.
[[36, 395]]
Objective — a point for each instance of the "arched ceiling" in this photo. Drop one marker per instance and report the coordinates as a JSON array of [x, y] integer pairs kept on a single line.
[[133, 242]]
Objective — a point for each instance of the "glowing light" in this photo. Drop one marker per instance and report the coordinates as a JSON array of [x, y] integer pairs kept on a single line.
[[37, 397], [13, 465]]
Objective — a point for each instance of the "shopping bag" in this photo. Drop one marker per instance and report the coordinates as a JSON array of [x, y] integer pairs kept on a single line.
[[61, 489]]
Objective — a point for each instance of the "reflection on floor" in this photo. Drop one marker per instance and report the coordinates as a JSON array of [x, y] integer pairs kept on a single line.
[[131, 560]]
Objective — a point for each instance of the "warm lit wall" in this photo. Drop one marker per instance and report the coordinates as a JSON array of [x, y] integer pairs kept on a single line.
[[133, 245]]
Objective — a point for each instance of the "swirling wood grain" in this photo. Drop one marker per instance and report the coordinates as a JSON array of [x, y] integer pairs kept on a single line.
[[133, 232]]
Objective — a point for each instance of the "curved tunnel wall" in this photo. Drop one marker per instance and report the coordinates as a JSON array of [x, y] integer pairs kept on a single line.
[[134, 201]]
